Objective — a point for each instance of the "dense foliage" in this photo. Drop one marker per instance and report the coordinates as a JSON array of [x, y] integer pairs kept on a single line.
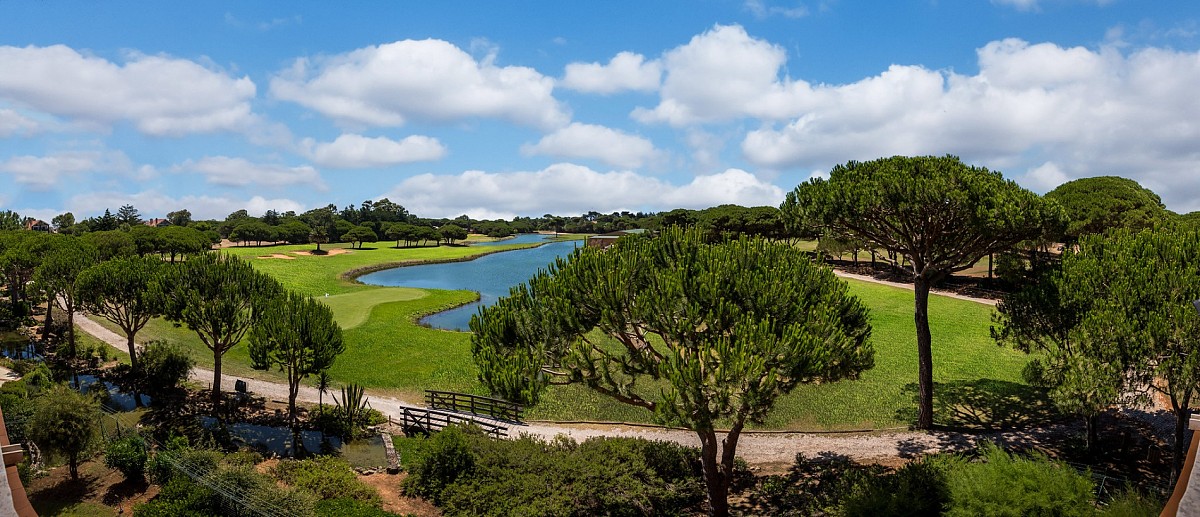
[[1101, 203], [719, 330], [937, 213], [467, 473]]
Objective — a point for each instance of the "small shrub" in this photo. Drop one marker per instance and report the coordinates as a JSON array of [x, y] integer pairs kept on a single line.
[[916, 489], [127, 455], [1132, 503], [344, 507], [1004, 484], [326, 478], [446, 459]]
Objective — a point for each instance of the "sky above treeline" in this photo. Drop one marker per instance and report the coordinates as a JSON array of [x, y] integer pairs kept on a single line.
[[497, 109]]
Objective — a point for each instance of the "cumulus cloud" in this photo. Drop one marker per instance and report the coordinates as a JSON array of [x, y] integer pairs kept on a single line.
[[152, 203], [386, 85], [46, 172], [15, 124], [626, 71], [1039, 110], [240, 172], [351, 151], [725, 74], [159, 95], [608, 145], [567, 188]]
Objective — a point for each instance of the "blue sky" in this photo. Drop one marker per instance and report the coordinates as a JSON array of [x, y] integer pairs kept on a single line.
[[496, 109]]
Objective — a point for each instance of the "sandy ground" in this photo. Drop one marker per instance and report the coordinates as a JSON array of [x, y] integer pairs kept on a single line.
[[277, 256], [765, 449], [328, 252], [7, 375]]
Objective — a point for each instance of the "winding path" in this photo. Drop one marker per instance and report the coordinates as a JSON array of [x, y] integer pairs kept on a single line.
[[771, 448]]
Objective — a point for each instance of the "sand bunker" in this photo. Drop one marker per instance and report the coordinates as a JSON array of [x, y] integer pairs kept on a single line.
[[277, 256], [331, 251]]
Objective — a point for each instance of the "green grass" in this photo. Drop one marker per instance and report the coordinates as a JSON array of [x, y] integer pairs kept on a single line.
[[979, 383]]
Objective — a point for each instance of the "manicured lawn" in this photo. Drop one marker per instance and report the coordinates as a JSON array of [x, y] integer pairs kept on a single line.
[[979, 382]]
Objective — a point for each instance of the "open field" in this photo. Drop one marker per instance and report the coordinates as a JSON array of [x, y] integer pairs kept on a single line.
[[389, 352]]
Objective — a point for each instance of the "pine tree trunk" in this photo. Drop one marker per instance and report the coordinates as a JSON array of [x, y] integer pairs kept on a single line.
[[133, 363], [216, 387], [49, 317], [1180, 449], [924, 353], [715, 481]]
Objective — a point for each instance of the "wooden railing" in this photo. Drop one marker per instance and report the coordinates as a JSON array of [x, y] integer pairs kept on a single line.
[[484, 406], [429, 420]]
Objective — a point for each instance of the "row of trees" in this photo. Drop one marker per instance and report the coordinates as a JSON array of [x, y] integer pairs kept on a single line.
[[218, 296], [721, 327]]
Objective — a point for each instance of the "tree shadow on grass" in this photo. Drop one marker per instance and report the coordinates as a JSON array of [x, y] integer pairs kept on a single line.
[[984, 405]]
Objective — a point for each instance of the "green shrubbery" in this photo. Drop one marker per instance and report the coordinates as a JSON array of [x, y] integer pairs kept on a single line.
[[997, 483], [127, 455], [326, 477], [467, 473]]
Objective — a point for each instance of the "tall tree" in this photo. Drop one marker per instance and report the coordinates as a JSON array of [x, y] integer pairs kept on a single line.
[[63, 221], [1142, 286], [1079, 368], [219, 297], [10, 220], [700, 334], [937, 213], [452, 232], [66, 422], [123, 291], [300, 337], [1105, 202], [66, 260], [128, 215], [181, 217]]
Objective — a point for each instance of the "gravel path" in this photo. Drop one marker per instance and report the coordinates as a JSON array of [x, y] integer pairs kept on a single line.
[[939, 292], [757, 448]]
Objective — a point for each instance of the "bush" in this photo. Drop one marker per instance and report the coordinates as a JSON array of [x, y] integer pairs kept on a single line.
[[333, 420], [1132, 503], [1004, 484], [344, 507], [127, 455], [469, 474], [446, 459], [918, 488], [326, 478], [814, 486]]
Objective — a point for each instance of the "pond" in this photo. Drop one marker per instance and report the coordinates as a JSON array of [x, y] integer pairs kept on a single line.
[[490, 275], [366, 452]]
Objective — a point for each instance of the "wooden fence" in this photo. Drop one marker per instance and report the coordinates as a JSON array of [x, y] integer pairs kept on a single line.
[[428, 420], [474, 404]]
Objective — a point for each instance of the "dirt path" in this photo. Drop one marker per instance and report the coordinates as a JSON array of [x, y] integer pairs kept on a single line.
[[948, 294], [765, 449]]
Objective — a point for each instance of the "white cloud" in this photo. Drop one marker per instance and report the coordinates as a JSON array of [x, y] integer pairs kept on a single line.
[[567, 188], [430, 79], [1036, 108], [626, 71], [350, 151], [46, 172], [608, 145], [1020, 5], [724, 74], [160, 95], [761, 10], [153, 203], [240, 172], [15, 124]]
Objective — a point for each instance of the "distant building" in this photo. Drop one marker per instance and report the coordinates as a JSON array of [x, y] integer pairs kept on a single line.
[[605, 240], [37, 225], [158, 223]]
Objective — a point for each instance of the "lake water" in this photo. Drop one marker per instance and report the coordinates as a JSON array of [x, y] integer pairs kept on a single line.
[[491, 276]]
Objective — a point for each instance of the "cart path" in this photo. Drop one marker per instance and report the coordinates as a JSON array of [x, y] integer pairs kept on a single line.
[[757, 448], [938, 292]]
